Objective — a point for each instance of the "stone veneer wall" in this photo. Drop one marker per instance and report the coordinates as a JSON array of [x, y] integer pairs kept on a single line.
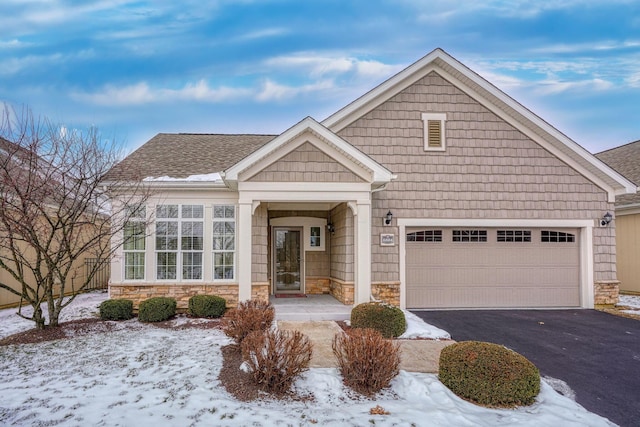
[[317, 285], [140, 292], [388, 292], [607, 293], [342, 291]]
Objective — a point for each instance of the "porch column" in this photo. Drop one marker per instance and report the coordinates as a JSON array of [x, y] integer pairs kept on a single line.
[[244, 251], [362, 245]]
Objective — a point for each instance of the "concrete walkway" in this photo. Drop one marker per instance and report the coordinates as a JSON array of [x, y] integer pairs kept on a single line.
[[416, 355]]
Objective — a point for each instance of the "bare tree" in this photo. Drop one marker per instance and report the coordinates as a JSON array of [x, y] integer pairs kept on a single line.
[[54, 212]]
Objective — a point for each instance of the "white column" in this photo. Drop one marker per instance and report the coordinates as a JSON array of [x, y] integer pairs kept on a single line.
[[362, 245], [244, 251]]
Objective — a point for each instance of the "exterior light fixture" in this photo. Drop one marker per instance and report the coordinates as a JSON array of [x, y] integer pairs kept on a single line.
[[388, 219], [330, 228], [606, 219]]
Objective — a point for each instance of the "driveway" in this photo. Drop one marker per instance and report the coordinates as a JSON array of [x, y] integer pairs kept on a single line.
[[596, 354]]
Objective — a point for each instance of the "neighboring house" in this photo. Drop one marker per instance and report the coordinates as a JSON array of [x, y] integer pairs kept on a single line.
[[626, 160], [433, 190], [78, 275]]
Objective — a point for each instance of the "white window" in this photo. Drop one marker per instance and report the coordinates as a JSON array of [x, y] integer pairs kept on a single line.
[[134, 243], [224, 242], [179, 242], [434, 139]]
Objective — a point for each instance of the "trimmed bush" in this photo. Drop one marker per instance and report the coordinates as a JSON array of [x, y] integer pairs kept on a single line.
[[207, 306], [367, 361], [251, 315], [384, 318], [489, 374], [116, 309], [157, 309], [276, 358]]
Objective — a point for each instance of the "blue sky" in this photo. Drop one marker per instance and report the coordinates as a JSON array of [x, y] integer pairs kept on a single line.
[[135, 68]]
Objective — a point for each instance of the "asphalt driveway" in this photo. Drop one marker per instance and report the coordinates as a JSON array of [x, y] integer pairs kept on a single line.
[[596, 354]]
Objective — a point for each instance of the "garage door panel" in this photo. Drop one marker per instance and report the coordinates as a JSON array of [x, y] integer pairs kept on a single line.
[[493, 274]]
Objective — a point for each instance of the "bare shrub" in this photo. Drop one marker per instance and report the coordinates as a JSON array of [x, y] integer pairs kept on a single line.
[[366, 360], [251, 315], [276, 358]]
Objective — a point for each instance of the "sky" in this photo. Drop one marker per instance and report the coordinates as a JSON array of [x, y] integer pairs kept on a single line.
[[135, 68]]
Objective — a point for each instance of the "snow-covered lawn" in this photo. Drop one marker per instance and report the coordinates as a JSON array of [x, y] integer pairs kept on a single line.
[[631, 301], [143, 375]]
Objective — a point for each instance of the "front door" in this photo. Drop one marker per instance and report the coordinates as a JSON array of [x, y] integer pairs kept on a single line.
[[287, 260]]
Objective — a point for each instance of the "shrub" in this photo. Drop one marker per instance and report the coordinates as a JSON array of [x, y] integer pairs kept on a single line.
[[384, 318], [251, 315], [157, 309], [489, 374], [367, 361], [276, 358], [116, 309], [207, 306]]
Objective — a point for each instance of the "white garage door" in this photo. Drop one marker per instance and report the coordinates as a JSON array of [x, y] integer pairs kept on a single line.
[[492, 268]]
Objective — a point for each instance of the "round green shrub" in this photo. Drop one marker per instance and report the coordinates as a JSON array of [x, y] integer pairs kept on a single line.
[[157, 309], [489, 374], [116, 309], [384, 318], [207, 306]]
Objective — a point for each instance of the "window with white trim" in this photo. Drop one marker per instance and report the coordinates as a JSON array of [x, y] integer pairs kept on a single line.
[[224, 242], [179, 242], [434, 131], [134, 244]]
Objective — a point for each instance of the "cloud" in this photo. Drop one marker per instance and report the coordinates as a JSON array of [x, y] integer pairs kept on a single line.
[[142, 93], [264, 33], [272, 91], [12, 44], [553, 87], [319, 66]]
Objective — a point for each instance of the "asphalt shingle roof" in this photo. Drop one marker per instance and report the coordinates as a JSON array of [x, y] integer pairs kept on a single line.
[[625, 160], [183, 154]]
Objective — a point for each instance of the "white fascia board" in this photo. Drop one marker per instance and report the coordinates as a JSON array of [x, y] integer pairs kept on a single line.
[[405, 78], [309, 187], [380, 173], [505, 223], [631, 209], [424, 66]]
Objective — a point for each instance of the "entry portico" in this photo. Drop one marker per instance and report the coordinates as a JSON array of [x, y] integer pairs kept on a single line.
[[305, 168]]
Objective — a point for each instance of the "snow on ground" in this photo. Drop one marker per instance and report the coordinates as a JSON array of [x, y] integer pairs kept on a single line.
[[147, 376], [83, 306], [417, 328], [632, 301]]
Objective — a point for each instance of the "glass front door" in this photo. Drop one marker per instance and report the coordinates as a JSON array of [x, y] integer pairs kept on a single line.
[[287, 261]]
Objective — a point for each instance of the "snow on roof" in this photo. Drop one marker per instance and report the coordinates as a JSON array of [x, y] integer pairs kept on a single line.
[[208, 177]]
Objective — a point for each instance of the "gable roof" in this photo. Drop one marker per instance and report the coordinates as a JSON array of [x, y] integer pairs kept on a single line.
[[379, 175], [183, 154], [626, 160], [499, 103]]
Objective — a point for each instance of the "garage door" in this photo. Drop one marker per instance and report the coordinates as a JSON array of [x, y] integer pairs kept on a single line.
[[492, 268]]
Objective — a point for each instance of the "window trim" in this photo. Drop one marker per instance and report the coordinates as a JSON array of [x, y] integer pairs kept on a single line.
[[138, 219], [434, 117], [180, 220], [224, 251]]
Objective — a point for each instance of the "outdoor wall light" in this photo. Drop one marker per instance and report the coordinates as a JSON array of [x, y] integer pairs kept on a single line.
[[606, 219], [387, 221], [330, 228]]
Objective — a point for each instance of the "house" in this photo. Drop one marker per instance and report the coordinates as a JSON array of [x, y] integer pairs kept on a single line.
[[32, 196], [626, 160], [433, 190]]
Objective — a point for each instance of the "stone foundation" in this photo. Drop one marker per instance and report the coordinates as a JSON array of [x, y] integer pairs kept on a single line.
[[342, 291], [388, 292], [317, 285], [607, 293], [140, 292]]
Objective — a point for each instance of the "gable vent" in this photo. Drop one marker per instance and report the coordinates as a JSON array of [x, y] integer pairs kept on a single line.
[[434, 133]]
